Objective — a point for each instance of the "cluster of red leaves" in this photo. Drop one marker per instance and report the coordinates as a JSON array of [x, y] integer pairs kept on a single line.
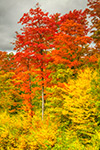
[[94, 13]]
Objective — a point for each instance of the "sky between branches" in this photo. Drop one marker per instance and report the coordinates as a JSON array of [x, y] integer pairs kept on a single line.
[[12, 10]]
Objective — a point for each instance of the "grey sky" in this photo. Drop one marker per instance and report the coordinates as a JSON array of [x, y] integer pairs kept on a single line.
[[12, 10]]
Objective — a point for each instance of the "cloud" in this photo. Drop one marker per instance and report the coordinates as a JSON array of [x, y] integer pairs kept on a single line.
[[63, 6], [11, 11]]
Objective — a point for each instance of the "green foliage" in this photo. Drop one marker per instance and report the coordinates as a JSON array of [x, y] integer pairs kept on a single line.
[[60, 73]]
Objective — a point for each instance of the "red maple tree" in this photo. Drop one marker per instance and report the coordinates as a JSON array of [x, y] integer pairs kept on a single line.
[[34, 42]]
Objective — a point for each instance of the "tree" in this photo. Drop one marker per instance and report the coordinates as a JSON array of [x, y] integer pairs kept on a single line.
[[70, 44], [76, 105], [94, 13], [33, 42]]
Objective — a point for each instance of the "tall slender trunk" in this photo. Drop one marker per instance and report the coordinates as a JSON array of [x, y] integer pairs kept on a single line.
[[42, 86], [42, 94], [30, 85], [41, 68], [42, 102]]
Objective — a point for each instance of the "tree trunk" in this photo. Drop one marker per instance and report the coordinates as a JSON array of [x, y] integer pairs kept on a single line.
[[42, 85], [42, 102], [30, 90]]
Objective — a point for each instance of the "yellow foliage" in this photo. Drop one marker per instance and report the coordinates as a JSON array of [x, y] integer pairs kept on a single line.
[[21, 132], [74, 105], [78, 100]]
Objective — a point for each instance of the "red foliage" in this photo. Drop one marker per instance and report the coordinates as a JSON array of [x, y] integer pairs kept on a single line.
[[70, 44], [94, 13], [32, 46]]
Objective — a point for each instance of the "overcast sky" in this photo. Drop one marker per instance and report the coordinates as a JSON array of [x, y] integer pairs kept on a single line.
[[12, 10]]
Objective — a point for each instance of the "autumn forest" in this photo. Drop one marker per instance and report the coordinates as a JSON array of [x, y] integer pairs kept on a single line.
[[50, 86]]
